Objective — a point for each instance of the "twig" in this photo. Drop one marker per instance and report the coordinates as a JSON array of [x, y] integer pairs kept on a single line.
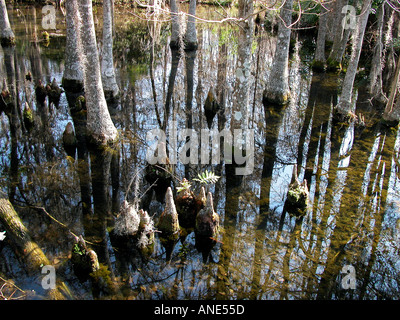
[[6, 282], [60, 223]]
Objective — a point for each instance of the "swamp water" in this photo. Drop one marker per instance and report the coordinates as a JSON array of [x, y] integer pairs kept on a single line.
[[262, 252]]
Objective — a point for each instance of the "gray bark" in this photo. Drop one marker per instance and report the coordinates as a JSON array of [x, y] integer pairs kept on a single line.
[[6, 34], [99, 124], [240, 105], [191, 34], [375, 75], [222, 84], [277, 91], [175, 29], [320, 60], [344, 106], [110, 85], [341, 37], [392, 110], [73, 61]]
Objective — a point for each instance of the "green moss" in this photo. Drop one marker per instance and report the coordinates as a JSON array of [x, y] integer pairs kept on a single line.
[[297, 200], [102, 282]]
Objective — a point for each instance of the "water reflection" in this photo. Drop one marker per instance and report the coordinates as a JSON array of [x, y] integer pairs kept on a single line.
[[262, 252]]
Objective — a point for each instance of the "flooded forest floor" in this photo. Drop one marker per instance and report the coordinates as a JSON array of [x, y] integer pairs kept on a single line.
[[262, 251]]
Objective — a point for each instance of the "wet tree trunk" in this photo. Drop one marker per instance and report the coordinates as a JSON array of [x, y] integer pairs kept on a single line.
[[11, 110], [392, 110], [25, 248], [175, 29], [190, 61], [390, 60], [344, 106], [319, 62], [240, 105], [73, 73], [100, 127], [73, 85], [191, 34], [222, 83], [277, 91], [110, 85], [171, 84], [7, 37], [100, 161], [375, 75], [341, 37]]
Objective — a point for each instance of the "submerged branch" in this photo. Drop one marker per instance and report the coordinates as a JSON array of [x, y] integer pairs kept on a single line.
[[25, 248]]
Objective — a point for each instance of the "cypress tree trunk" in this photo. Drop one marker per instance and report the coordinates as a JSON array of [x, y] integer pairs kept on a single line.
[[341, 36], [73, 73], [277, 91], [344, 106], [319, 62], [375, 76], [392, 110], [100, 127], [110, 85], [191, 34], [175, 29], [240, 105], [7, 37]]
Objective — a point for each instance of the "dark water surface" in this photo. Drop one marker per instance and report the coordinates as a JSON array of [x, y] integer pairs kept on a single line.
[[263, 252]]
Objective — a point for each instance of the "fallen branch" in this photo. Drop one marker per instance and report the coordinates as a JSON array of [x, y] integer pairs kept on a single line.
[[25, 248]]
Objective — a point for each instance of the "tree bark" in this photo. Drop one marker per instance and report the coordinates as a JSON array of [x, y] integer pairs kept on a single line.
[[175, 29], [100, 127], [392, 110], [25, 248], [344, 106], [110, 85], [277, 91], [73, 73], [319, 62], [191, 34], [222, 83], [375, 76], [7, 37], [341, 37], [240, 105]]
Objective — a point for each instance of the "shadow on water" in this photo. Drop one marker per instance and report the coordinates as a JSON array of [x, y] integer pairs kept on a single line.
[[262, 251]]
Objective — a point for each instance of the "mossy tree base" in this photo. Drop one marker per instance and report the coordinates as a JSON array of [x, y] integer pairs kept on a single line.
[[188, 46], [191, 46], [72, 86], [318, 66], [390, 120], [333, 66], [281, 98], [174, 45], [7, 41]]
